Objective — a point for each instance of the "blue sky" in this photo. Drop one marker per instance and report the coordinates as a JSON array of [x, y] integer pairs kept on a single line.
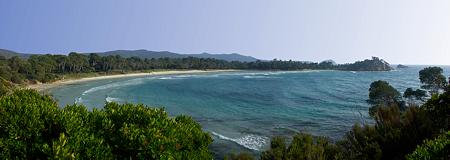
[[399, 31]]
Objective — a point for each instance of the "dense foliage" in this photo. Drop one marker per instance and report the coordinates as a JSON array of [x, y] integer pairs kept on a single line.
[[414, 95], [33, 127], [303, 146], [436, 149], [394, 134], [45, 68], [432, 79], [5, 86], [438, 107], [383, 94], [397, 130], [240, 156], [374, 64]]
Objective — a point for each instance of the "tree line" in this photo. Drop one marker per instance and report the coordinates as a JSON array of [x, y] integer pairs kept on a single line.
[[47, 68]]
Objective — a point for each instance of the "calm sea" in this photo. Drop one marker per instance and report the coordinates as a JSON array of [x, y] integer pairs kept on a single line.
[[243, 109]]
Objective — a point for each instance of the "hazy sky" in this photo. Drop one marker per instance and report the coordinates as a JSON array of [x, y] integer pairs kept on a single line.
[[399, 31]]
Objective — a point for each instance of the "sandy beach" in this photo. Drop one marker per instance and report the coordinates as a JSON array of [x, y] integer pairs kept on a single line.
[[46, 86]]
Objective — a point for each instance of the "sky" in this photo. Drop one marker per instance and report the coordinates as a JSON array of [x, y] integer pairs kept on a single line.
[[399, 31]]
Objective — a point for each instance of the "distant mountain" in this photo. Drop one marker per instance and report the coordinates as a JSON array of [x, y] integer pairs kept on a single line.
[[8, 54], [163, 54], [150, 54], [227, 57]]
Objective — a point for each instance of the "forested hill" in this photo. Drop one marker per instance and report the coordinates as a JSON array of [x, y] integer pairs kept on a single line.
[[9, 54], [374, 64], [166, 54], [150, 54]]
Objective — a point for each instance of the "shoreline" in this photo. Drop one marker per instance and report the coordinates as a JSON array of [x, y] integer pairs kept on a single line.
[[46, 86], [42, 87]]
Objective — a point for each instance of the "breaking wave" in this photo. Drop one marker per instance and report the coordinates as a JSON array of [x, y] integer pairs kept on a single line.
[[131, 82], [112, 99], [255, 77], [78, 100], [253, 142], [165, 78]]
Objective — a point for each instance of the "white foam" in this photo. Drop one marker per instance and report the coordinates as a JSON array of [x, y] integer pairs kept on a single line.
[[112, 99], [287, 72], [165, 78], [78, 100], [253, 77], [253, 142], [184, 76], [136, 81], [269, 73]]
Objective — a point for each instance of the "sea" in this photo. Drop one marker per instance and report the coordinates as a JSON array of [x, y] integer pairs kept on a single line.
[[242, 110]]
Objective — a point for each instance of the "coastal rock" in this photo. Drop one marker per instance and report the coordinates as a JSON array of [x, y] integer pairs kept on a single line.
[[374, 64], [401, 66]]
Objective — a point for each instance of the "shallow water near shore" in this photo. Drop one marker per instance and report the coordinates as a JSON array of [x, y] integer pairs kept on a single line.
[[243, 109]]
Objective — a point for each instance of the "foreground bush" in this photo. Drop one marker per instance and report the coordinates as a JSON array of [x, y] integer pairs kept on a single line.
[[437, 149], [5, 87], [240, 156], [33, 127], [302, 147], [394, 135]]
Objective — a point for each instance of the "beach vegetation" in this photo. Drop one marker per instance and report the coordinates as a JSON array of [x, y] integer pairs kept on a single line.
[[302, 147], [32, 126], [435, 149], [240, 156]]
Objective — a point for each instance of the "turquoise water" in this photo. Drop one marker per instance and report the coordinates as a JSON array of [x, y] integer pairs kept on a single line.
[[242, 110]]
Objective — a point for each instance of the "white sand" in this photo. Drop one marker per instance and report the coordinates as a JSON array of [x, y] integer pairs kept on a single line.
[[46, 86]]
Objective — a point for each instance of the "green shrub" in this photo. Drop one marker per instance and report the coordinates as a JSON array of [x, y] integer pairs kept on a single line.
[[33, 127], [5, 87], [394, 134], [437, 149], [240, 156], [302, 147], [277, 149], [28, 125], [439, 108]]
